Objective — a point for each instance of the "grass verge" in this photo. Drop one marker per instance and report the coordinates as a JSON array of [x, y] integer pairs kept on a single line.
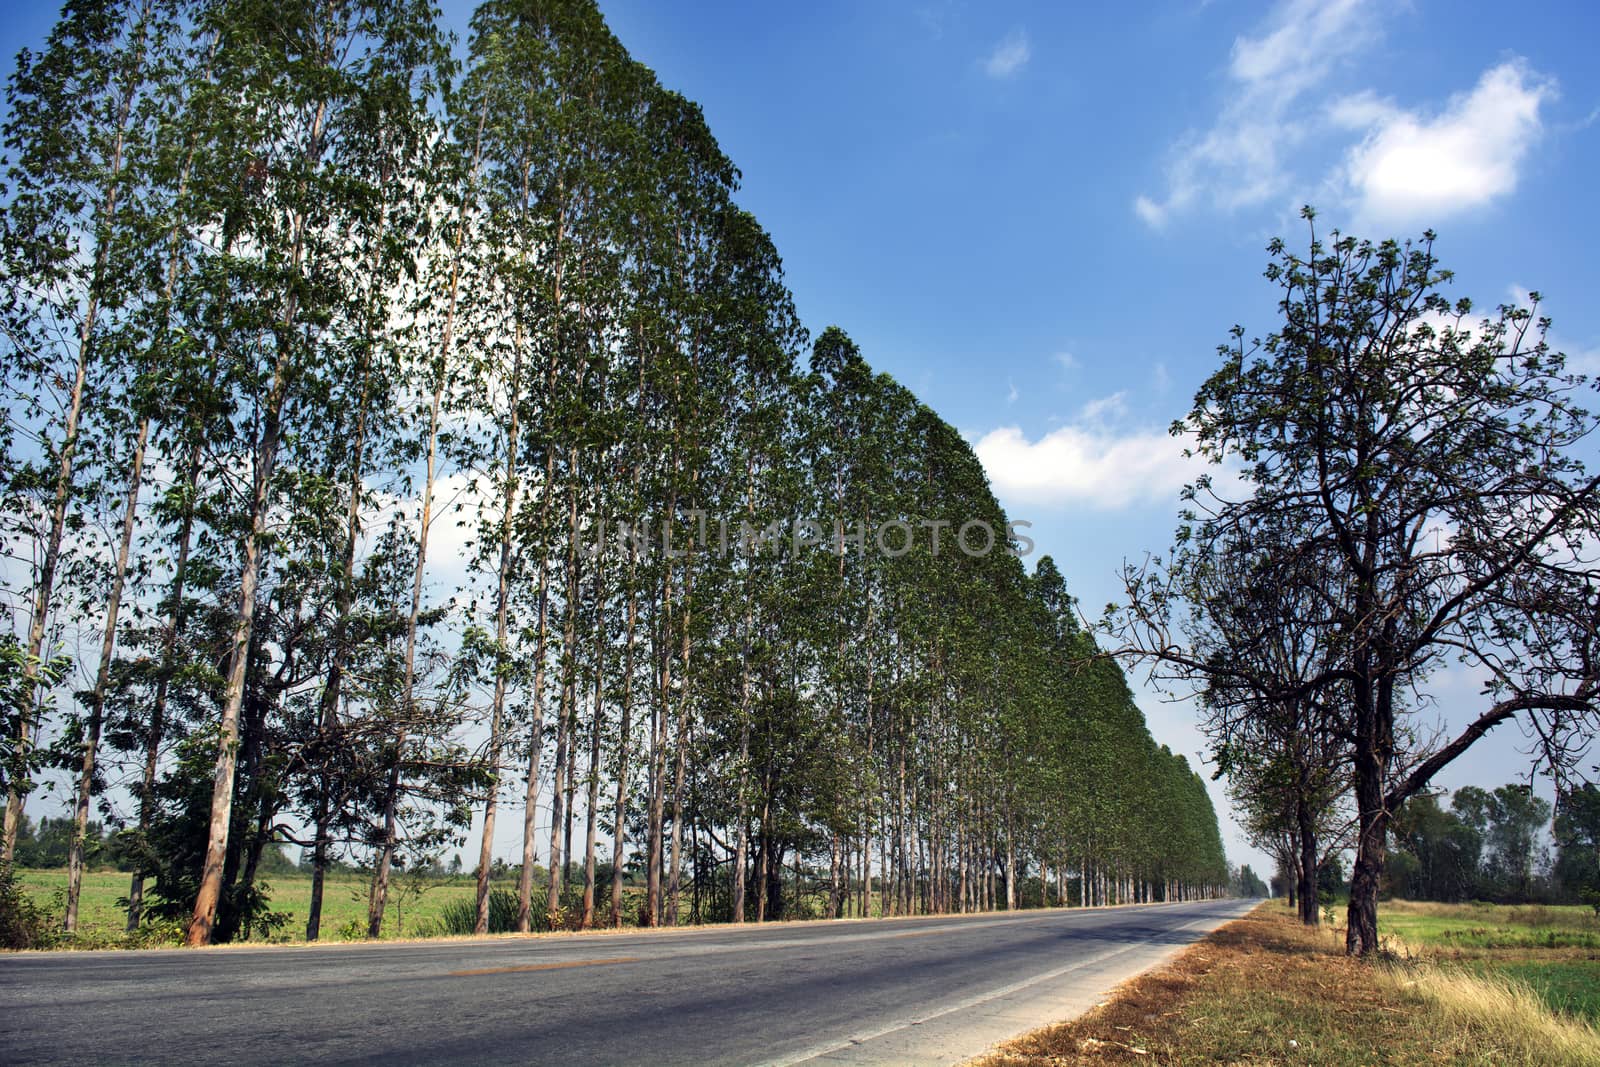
[[1264, 990]]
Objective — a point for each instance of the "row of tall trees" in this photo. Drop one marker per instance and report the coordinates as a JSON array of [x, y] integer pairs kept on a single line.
[[1403, 494], [391, 439]]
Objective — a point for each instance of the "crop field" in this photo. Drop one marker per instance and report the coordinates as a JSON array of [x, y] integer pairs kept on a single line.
[[1554, 949], [415, 909]]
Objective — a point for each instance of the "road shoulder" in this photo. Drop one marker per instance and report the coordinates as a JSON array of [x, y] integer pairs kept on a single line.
[[1263, 989]]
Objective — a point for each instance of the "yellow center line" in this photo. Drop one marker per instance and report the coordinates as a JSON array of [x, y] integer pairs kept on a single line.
[[542, 967]]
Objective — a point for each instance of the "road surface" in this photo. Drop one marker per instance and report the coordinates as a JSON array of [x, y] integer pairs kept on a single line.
[[925, 990]]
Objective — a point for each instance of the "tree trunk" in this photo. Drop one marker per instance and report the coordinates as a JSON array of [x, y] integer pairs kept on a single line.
[[592, 808], [97, 702], [1307, 866], [501, 636], [1361, 935], [156, 728], [566, 713], [681, 750], [530, 806], [205, 905], [380, 875], [619, 821]]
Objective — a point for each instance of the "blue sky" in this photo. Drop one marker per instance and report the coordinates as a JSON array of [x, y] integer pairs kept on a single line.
[[1044, 218]]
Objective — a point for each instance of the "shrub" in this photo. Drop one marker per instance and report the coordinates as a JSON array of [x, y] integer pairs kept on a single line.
[[459, 917], [23, 924]]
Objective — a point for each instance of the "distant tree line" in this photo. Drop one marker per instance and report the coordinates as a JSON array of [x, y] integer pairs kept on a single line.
[[1493, 845], [328, 361], [46, 844]]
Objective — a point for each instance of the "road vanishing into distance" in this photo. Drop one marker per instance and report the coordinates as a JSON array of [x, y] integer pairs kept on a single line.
[[919, 990]]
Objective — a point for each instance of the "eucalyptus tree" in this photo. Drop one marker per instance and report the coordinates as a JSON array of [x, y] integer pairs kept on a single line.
[[306, 86], [589, 189], [760, 332], [848, 460], [76, 110], [394, 147], [191, 220], [129, 343]]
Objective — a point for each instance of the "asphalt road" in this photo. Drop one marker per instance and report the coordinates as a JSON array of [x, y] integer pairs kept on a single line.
[[934, 990]]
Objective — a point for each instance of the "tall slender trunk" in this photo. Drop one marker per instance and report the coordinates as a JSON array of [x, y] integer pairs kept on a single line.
[[869, 798], [156, 728], [571, 789], [530, 809], [558, 788], [491, 802], [658, 747], [530, 804], [266, 457], [501, 636], [741, 846], [1011, 862], [44, 586], [565, 715], [619, 824], [97, 701], [592, 808], [763, 857], [205, 906], [619, 820], [681, 746]]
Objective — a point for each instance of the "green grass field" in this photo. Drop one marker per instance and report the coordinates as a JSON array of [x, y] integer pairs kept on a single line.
[[1469, 927], [1555, 950], [413, 911]]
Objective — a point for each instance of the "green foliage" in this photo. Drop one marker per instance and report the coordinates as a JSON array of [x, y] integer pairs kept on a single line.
[[460, 917], [47, 842], [1577, 838], [1486, 846], [23, 924]]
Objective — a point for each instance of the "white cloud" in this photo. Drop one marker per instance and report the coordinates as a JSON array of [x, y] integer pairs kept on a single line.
[[1009, 56], [936, 18], [1067, 360], [1095, 411], [1409, 167], [1011, 391], [1388, 165], [1238, 161], [1583, 361], [1153, 214], [1086, 465]]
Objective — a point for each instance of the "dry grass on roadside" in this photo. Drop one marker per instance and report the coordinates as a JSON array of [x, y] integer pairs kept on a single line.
[[1264, 990], [1500, 1012]]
